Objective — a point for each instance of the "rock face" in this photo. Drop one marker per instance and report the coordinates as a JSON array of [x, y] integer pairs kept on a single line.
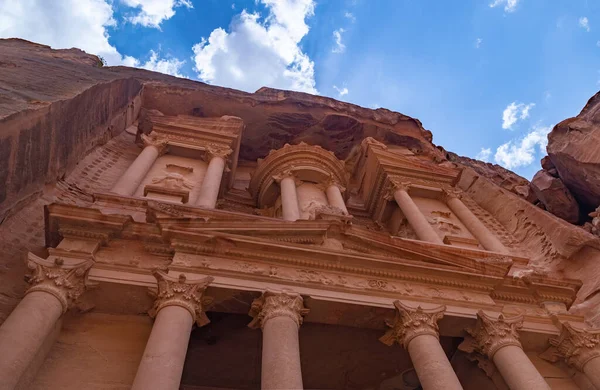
[[574, 156], [555, 196]]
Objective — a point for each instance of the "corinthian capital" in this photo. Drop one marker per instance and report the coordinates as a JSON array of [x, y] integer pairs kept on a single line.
[[451, 194], [395, 186], [410, 323], [577, 346], [491, 334], [213, 150], [153, 140], [273, 304], [184, 293], [285, 174], [66, 280]]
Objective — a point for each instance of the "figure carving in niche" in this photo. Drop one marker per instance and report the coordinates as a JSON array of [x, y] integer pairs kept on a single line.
[[406, 231], [441, 221], [173, 180], [316, 209]]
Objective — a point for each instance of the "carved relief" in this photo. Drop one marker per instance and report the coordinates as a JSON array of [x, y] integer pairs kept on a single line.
[[491, 334], [173, 180], [184, 293], [441, 222], [577, 346], [410, 323], [273, 304], [66, 281]]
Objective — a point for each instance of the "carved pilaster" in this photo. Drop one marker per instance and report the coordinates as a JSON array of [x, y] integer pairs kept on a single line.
[[273, 304], [577, 346], [158, 142], [213, 150], [65, 280], [491, 334], [410, 323], [184, 293]]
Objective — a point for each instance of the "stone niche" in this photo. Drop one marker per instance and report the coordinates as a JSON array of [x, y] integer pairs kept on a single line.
[[173, 176]]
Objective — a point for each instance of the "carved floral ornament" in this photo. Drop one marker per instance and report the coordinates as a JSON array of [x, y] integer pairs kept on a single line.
[[491, 334], [410, 323], [65, 280], [273, 304], [577, 346], [184, 293]]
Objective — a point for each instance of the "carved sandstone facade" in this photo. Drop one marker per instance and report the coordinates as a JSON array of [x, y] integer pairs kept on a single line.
[[191, 257]]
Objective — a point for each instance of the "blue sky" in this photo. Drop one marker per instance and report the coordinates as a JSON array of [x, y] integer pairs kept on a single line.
[[489, 78]]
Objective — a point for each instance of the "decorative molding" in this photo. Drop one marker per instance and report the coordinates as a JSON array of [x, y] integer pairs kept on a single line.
[[273, 304], [184, 293], [491, 334], [66, 281], [410, 323], [577, 346]]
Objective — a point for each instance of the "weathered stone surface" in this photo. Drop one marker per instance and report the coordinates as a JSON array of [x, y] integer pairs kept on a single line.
[[555, 196], [573, 150]]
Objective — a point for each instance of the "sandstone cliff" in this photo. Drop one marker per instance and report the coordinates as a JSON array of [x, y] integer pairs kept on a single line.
[[62, 122]]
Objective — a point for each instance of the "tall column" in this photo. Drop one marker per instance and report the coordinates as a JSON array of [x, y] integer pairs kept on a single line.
[[209, 189], [498, 339], [334, 196], [55, 286], [280, 316], [133, 176], [417, 331], [415, 217], [487, 239], [581, 349], [289, 197], [179, 303]]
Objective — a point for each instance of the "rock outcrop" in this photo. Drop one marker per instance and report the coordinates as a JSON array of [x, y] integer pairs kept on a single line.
[[555, 196]]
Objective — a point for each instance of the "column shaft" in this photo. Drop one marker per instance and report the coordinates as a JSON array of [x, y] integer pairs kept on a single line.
[[133, 176], [281, 355], [335, 198], [23, 332], [517, 370], [162, 363], [592, 371], [289, 199], [415, 217], [431, 364], [209, 190], [475, 226]]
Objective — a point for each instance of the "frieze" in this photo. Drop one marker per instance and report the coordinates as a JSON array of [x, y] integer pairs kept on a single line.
[[64, 280]]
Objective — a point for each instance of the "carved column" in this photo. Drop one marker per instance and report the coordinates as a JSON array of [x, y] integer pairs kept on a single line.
[[417, 331], [280, 316], [487, 239], [289, 197], [334, 196], [178, 305], [134, 175], [56, 285], [209, 190], [498, 339], [581, 349], [415, 217]]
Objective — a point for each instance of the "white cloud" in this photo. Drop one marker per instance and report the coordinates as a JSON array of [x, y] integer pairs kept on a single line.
[[584, 23], [478, 43], [339, 46], [509, 5], [341, 91], [518, 153], [170, 66], [260, 52], [233, 6], [151, 13], [63, 24], [513, 112], [484, 154], [598, 43], [350, 15]]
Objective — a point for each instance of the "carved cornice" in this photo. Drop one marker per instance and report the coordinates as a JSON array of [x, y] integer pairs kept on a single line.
[[410, 323], [160, 143], [491, 334], [577, 346], [184, 293], [273, 304], [66, 281]]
